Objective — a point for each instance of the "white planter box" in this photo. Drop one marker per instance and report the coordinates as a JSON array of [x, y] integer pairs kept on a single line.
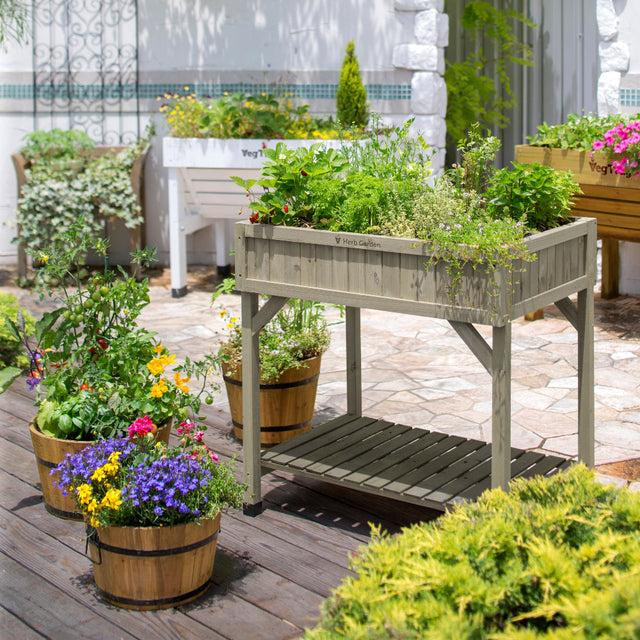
[[201, 192]]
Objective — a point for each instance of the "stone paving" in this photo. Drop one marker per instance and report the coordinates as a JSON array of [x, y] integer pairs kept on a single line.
[[417, 371]]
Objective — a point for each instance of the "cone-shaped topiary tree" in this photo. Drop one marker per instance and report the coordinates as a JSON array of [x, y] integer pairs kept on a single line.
[[351, 97]]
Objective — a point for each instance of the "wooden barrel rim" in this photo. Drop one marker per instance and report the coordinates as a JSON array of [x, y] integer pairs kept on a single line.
[[277, 385], [94, 539]]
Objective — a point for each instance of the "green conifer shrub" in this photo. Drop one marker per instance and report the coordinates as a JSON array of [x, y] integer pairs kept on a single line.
[[351, 96], [555, 558]]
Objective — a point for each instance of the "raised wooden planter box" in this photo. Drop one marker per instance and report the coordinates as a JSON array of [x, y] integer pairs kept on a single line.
[[201, 192], [366, 271], [136, 235], [612, 199]]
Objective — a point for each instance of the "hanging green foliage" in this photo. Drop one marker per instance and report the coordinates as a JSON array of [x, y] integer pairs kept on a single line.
[[479, 87], [351, 96]]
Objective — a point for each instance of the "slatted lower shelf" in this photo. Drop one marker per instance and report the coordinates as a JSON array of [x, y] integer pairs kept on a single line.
[[408, 464]]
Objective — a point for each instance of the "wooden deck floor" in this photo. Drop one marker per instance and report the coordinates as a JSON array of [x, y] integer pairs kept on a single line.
[[271, 572]]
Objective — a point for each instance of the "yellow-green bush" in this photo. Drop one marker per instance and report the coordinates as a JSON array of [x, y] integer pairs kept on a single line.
[[555, 558], [12, 351]]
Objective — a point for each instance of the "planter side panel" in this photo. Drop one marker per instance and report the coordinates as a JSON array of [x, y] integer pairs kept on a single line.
[[394, 274]]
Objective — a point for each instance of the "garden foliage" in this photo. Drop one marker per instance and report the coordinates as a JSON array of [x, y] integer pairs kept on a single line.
[[11, 348], [479, 87], [93, 368], [241, 115], [555, 558], [68, 185]]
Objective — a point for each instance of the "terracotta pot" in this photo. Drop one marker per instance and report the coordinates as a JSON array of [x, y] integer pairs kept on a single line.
[[153, 567], [286, 406], [49, 453]]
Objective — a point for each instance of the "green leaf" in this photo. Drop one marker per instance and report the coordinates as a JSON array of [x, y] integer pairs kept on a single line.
[[7, 377]]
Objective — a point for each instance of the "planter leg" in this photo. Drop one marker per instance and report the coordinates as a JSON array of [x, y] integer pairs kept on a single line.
[[251, 405], [177, 237], [354, 365], [586, 424], [610, 259], [501, 407]]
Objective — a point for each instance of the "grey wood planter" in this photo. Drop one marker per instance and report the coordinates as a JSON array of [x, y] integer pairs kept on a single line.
[[364, 271]]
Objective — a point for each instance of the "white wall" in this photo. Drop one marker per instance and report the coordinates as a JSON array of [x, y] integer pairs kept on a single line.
[[184, 42]]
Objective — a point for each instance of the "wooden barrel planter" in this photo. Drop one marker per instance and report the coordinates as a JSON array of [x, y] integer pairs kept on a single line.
[[153, 567], [49, 453], [136, 235], [286, 406]]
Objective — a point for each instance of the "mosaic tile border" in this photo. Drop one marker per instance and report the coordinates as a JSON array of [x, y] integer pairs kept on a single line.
[[201, 89], [630, 97]]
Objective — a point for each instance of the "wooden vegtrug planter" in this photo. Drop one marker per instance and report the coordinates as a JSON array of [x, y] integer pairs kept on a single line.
[[148, 568], [389, 274], [286, 405], [614, 200]]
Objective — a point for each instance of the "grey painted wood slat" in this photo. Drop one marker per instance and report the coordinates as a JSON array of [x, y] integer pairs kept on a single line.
[[344, 449], [549, 464], [308, 267], [404, 460], [317, 437], [338, 269], [391, 452], [284, 256], [432, 462], [357, 271], [373, 271], [391, 273], [523, 461], [324, 275], [353, 363], [345, 461], [456, 469], [316, 432]]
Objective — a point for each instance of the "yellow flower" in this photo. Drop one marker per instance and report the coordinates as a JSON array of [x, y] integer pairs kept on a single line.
[[180, 383], [43, 257], [84, 493], [166, 360], [112, 499], [98, 474], [156, 366], [159, 389], [158, 348]]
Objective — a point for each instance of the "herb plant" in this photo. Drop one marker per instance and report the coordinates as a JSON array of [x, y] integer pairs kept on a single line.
[[92, 366], [298, 332], [241, 115], [579, 132], [135, 482]]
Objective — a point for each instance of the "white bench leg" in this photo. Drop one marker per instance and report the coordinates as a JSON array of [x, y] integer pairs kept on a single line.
[[223, 247], [177, 237]]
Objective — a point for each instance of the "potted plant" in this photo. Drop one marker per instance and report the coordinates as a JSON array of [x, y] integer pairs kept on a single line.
[[152, 512], [477, 245], [211, 139], [602, 153], [291, 348], [92, 367], [63, 178]]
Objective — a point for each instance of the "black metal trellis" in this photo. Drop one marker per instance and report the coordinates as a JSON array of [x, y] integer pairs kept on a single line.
[[85, 68]]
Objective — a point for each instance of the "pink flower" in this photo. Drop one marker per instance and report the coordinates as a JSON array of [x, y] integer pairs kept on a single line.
[[213, 456], [597, 145], [141, 427], [198, 435], [185, 428]]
